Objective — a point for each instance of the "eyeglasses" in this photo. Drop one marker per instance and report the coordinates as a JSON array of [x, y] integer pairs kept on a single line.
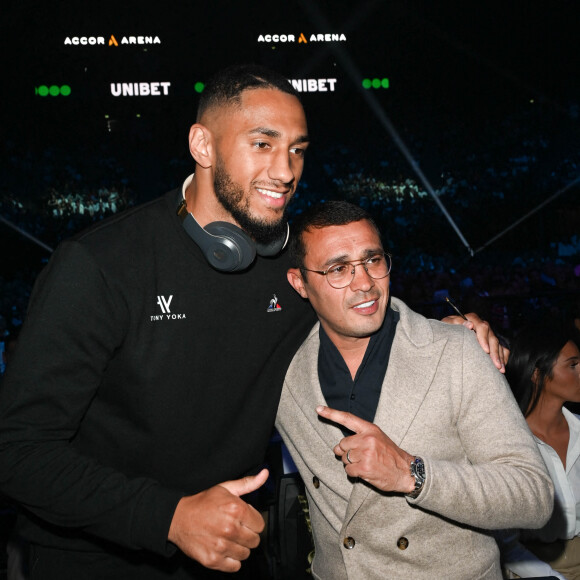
[[341, 274]]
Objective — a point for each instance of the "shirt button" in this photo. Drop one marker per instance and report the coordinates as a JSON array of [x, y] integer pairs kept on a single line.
[[316, 482], [348, 543], [402, 543]]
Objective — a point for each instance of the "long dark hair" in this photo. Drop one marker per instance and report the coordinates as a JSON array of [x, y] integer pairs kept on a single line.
[[534, 352]]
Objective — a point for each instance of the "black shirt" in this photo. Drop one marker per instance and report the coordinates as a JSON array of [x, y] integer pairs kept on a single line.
[[361, 395]]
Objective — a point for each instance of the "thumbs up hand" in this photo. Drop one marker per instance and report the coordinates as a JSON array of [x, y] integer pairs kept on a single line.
[[216, 527]]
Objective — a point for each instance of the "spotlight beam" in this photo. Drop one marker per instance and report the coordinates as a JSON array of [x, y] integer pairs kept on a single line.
[[354, 72], [26, 234]]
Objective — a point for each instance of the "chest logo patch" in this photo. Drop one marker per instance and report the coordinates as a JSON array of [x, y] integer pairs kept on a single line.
[[274, 306], [164, 303]]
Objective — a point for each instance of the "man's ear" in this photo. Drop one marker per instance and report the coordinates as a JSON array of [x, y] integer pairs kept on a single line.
[[200, 145], [294, 276]]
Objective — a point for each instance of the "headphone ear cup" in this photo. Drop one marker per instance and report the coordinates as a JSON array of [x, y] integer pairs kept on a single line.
[[228, 248]]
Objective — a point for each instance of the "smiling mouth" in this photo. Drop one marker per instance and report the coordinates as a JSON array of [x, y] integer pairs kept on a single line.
[[269, 193], [365, 304]]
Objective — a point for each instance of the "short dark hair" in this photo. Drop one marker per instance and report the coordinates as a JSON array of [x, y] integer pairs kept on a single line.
[[323, 215], [226, 86], [535, 349]]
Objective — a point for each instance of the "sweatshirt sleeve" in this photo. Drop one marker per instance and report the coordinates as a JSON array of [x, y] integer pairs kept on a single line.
[[76, 321], [504, 482]]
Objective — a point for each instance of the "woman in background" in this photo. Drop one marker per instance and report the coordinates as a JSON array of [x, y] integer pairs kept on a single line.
[[544, 373]]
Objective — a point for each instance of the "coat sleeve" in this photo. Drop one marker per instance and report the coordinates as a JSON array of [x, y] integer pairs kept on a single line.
[[503, 483], [75, 322]]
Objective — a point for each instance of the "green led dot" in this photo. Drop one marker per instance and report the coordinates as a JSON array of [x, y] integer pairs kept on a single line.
[[366, 83], [54, 91], [376, 83], [199, 87], [43, 90], [385, 83], [65, 90]]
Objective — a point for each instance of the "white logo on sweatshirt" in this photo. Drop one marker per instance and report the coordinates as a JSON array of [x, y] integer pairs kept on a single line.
[[165, 305]]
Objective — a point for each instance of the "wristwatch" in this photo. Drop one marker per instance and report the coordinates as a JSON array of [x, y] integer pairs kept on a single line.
[[418, 472]]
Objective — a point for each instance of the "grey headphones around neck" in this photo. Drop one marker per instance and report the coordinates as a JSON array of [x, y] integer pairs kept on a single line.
[[227, 247]]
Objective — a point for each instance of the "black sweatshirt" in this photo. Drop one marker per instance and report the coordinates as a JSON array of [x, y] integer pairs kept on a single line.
[[141, 375]]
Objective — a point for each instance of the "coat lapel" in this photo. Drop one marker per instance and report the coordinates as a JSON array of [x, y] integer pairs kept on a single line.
[[305, 389], [412, 365]]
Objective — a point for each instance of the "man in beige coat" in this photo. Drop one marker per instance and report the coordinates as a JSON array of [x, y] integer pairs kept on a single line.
[[425, 451]]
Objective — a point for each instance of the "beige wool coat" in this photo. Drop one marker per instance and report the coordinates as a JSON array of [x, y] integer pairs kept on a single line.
[[443, 400]]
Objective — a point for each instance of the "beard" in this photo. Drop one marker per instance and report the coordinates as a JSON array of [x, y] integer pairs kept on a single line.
[[233, 199]]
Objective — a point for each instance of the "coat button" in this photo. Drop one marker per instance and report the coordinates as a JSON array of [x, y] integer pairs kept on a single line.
[[348, 543], [316, 482], [402, 543]]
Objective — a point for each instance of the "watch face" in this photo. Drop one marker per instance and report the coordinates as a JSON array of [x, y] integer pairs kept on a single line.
[[418, 473], [418, 470]]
